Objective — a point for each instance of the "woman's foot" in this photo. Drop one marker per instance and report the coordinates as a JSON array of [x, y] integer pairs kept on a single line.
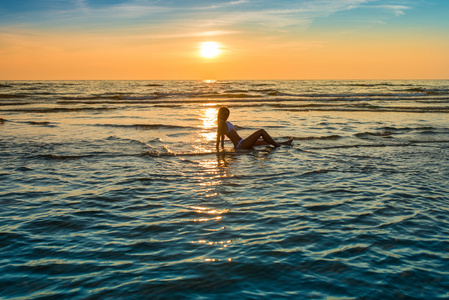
[[289, 142]]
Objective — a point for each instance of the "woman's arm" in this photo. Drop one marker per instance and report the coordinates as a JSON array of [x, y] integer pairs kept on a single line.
[[217, 145], [220, 133]]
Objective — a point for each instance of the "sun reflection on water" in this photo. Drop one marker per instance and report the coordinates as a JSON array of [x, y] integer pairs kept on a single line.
[[221, 245], [209, 117], [206, 210], [215, 170], [207, 134]]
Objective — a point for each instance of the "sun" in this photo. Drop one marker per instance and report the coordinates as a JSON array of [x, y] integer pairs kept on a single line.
[[210, 49]]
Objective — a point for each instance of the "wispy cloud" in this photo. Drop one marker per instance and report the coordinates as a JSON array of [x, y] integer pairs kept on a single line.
[[279, 15], [187, 34], [128, 10], [397, 10], [222, 5]]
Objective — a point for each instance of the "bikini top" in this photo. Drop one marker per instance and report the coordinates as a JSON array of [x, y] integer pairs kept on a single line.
[[230, 126]]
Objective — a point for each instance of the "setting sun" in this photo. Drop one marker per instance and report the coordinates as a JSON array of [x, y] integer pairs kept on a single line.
[[210, 49]]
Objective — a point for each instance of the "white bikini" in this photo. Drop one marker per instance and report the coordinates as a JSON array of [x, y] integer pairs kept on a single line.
[[230, 127]]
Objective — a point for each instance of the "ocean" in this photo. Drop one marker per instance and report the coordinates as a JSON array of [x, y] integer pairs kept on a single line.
[[114, 190]]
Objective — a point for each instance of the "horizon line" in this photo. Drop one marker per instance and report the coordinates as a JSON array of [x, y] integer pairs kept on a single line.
[[206, 79]]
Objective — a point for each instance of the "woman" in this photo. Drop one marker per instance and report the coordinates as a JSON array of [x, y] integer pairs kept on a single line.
[[226, 128]]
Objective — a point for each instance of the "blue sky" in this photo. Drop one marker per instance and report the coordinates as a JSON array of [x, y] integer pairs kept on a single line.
[[280, 14]]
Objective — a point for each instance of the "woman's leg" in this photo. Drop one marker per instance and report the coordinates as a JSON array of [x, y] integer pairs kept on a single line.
[[253, 139]]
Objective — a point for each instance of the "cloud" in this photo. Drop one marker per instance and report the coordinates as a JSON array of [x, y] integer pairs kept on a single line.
[[186, 34], [223, 5], [128, 10], [278, 15], [181, 18], [398, 10]]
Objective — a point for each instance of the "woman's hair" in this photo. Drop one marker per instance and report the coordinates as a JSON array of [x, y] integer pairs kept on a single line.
[[223, 113]]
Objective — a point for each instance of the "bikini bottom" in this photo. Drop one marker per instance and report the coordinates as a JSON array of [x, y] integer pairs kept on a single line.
[[238, 144]]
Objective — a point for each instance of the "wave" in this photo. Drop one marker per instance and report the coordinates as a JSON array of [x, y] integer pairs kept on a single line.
[[263, 90], [236, 91], [96, 102], [355, 95], [11, 96], [377, 84], [44, 123], [280, 105], [155, 153], [388, 131], [401, 129], [161, 103], [245, 98], [152, 153], [147, 126], [76, 99], [365, 135], [363, 107], [64, 157], [254, 95], [58, 109], [372, 109], [410, 143], [158, 95], [169, 105], [433, 100], [330, 137], [262, 84], [166, 153], [428, 91], [385, 132], [34, 88], [30, 83], [274, 96], [319, 105], [227, 95], [251, 93], [14, 103], [321, 171]]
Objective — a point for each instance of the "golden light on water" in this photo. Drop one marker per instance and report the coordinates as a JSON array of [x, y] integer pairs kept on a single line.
[[209, 117], [207, 134], [203, 209], [214, 171]]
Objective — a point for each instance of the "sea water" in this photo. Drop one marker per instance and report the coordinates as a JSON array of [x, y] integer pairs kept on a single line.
[[114, 189]]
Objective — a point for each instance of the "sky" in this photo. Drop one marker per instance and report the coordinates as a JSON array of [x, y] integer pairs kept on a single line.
[[256, 39]]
